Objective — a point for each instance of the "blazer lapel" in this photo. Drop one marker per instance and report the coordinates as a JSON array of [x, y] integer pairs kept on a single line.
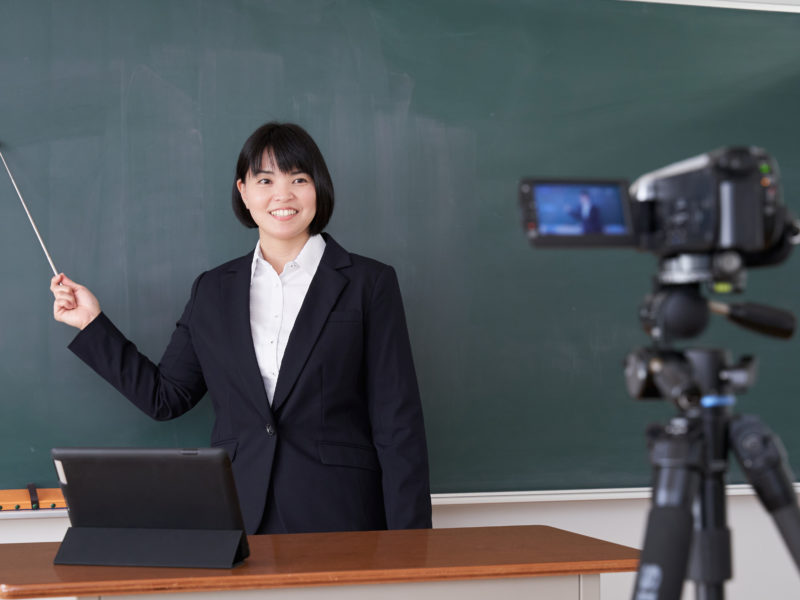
[[324, 291], [236, 309]]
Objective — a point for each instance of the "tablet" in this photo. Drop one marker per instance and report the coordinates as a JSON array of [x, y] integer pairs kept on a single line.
[[180, 493]]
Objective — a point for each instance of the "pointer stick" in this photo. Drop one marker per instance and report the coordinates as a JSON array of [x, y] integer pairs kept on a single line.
[[30, 218]]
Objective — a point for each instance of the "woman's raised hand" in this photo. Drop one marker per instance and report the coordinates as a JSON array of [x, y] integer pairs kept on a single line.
[[74, 304]]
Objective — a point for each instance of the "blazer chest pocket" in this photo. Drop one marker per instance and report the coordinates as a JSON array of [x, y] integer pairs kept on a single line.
[[345, 455], [344, 316]]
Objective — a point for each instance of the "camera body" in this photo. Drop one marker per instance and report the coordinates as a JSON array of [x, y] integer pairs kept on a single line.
[[725, 202]]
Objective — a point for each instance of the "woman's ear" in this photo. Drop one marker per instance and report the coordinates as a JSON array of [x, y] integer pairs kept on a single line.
[[241, 187]]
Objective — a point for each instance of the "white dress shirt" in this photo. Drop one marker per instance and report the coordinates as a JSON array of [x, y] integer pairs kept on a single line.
[[275, 301]]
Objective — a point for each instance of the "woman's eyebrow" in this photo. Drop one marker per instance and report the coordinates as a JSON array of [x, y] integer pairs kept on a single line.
[[271, 172]]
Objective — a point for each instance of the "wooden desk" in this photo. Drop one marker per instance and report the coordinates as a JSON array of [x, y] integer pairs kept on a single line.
[[479, 562]]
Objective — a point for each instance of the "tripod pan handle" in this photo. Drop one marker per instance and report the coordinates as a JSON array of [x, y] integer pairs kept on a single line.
[[763, 319]]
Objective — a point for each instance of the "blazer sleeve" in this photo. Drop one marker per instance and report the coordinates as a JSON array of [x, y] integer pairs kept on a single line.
[[395, 408], [162, 391]]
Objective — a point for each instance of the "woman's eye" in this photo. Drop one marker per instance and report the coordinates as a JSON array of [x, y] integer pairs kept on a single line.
[[301, 180], [264, 180]]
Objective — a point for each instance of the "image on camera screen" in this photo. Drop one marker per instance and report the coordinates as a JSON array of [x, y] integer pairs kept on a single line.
[[575, 209]]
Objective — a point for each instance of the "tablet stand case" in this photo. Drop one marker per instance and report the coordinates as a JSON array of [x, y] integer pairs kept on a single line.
[[130, 547]]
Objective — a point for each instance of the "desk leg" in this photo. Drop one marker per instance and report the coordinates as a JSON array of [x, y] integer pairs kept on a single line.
[[589, 587]]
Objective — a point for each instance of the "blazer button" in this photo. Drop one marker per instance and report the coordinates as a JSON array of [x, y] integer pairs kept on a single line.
[[270, 430]]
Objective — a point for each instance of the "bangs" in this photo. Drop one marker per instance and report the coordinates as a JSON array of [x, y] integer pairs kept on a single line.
[[283, 153]]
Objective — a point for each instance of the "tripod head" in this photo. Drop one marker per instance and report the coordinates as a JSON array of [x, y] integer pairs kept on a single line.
[[677, 309]]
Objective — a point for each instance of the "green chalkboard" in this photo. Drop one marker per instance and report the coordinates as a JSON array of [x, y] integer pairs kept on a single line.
[[122, 120]]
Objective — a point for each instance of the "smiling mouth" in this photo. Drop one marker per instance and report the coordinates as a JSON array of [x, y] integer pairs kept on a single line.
[[283, 212]]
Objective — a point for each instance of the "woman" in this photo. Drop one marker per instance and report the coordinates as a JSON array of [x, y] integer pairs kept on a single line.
[[303, 350]]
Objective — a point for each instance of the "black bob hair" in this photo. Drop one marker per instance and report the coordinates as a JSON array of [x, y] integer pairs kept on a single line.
[[292, 149]]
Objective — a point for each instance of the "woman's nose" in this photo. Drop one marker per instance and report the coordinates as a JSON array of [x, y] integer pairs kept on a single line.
[[282, 191]]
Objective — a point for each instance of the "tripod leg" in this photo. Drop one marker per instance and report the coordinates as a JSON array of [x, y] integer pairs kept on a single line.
[[710, 565], [675, 454], [763, 459]]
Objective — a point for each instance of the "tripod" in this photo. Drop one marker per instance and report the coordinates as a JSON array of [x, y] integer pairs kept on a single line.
[[687, 531]]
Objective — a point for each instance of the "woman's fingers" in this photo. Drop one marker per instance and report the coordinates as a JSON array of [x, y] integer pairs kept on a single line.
[[66, 300], [62, 304], [67, 281], [64, 294], [55, 281]]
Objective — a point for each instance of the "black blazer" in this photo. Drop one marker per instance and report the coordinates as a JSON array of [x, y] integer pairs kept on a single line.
[[343, 445]]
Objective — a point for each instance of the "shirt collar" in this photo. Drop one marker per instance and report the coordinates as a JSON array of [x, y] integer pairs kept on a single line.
[[308, 259]]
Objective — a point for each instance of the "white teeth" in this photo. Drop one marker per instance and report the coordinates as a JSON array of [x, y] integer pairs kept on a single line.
[[283, 212]]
